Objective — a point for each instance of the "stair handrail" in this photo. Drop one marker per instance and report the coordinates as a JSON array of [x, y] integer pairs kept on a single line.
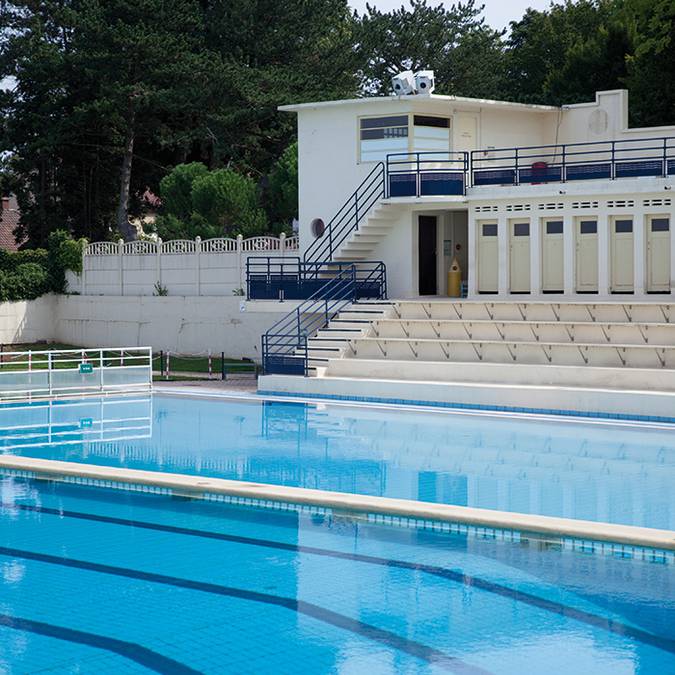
[[289, 335], [349, 215]]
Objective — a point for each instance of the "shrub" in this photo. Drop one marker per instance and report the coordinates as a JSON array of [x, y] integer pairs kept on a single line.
[[229, 201], [175, 190], [27, 282], [282, 198], [198, 202], [26, 275], [64, 253]]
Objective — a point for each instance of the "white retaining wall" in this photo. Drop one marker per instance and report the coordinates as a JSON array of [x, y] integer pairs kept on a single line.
[[27, 321], [214, 267], [184, 324]]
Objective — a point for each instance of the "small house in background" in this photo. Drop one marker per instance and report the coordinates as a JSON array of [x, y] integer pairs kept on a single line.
[[9, 219]]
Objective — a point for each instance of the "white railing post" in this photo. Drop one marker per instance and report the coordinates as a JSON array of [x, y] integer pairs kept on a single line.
[[49, 374], [240, 247], [83, 282], [100, 369], [198, 261], [120, 262], [282, 244], [159, 262]]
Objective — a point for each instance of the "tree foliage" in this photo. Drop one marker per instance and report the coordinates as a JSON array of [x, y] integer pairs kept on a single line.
[[110, 95], [454, 41], [282, 192], [26, 275], [198, 202]]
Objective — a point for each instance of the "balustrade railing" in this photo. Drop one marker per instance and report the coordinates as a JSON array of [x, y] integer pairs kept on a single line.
[[295, 279], [285, 345], [426, 174], [187, 246], [609, 160]]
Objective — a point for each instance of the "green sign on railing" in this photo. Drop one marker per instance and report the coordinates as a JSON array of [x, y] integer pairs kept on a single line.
[[86, 368]]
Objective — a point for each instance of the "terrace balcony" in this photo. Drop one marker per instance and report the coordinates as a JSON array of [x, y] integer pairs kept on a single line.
[[450, 174]]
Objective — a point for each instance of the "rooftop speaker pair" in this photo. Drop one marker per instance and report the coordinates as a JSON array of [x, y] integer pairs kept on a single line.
[[407, 82]]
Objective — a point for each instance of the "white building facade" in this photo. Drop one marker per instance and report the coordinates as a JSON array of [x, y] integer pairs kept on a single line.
[[535, 201]]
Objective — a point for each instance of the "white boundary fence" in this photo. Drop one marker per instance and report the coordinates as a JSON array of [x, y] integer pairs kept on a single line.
[[179, 267], [71, 372]]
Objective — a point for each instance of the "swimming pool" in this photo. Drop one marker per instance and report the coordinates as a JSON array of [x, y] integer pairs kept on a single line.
[[609, 472], [96, 580]]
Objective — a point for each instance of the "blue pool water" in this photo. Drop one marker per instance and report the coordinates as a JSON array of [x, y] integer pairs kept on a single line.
[[620, 473], [99, 581]]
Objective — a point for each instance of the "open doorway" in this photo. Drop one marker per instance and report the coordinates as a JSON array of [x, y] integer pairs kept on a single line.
[[427, 247]]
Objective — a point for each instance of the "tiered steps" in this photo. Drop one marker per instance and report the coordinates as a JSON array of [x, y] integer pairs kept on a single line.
[[611, 335], [608, 357], [361, 244], [349, 325]]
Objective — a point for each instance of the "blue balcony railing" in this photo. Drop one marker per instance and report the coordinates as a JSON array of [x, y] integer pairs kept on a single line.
[[426, 174], [273, 278], [574, 162]]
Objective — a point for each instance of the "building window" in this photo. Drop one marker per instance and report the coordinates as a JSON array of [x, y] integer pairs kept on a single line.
[[623, 226], [660, 224], [380, 136], [521, 229], [431, 134], [490, 230], [554, 227], [588, 227]]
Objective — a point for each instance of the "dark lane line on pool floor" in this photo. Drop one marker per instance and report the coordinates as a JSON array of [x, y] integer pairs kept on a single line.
[[385, 637], [588, 618], [128, 650]]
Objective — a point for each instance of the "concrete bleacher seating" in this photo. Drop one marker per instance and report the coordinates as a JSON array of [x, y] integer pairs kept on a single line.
[[504, 347]]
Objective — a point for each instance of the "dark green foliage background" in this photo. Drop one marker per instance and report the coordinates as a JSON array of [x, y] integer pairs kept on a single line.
[[200, 81], [26, 275]]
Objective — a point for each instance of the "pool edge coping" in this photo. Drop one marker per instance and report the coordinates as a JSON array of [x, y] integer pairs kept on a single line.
[[199, 486]]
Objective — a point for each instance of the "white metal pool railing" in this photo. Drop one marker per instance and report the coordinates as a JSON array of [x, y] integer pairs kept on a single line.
[[63, 372]]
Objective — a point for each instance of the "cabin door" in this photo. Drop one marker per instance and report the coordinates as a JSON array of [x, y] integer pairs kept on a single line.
[[488, 258], [586, 256], [519, 257], [552, 258], [658, 254], [427, 226], [622, 255]]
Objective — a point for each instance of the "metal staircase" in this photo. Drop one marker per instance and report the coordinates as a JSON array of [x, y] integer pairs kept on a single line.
[[348, 218], [286, 347]]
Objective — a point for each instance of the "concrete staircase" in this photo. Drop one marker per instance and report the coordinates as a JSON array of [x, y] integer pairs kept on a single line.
[[361, 243], [500, 354], [351, 324]]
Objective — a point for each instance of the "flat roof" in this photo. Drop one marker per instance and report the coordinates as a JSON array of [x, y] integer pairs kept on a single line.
[[460, 100]]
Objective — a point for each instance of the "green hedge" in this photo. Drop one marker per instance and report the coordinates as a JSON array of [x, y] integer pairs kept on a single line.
[[26, 275]]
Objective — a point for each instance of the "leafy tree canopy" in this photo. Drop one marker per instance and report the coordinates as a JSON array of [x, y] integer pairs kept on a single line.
[[219, 203], [110, 95]]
